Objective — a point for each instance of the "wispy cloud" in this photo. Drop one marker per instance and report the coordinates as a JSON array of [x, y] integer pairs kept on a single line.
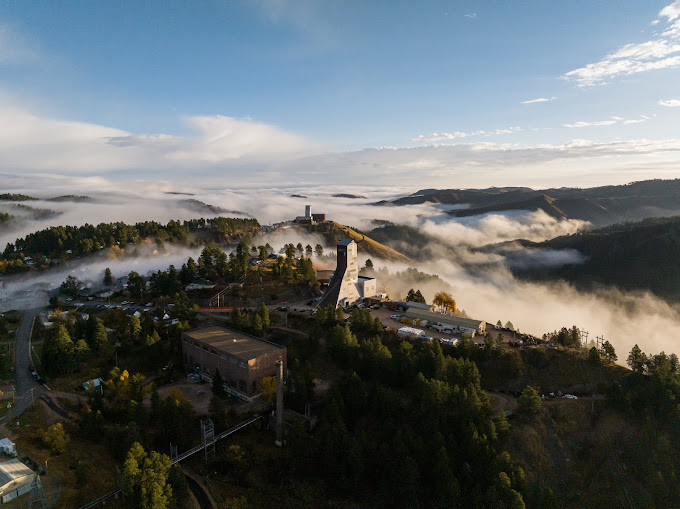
[[471, 15], [431, 138], [661, 52], [47, 144], [13, 46], [539, 100], [670, 103], [612, 121], [591, 124]]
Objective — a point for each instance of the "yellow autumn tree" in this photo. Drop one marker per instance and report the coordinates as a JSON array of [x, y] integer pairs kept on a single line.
[[445, 302]]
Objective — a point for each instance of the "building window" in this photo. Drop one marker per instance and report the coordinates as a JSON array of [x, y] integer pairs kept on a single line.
[[242, 364], [233, 360], [242, 385]]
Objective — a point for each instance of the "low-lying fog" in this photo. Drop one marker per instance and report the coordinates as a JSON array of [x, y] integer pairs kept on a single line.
[[490, 294]]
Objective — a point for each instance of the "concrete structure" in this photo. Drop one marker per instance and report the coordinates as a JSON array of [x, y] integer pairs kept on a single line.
[[308, 211], [346, 287], [456, 323], [241, 359], [279, 403], [15, 480]]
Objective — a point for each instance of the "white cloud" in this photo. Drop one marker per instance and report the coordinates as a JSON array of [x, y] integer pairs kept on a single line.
[[471, 15], [431, 138], [671, 103], [671, 11], [28, 141], [637, 121], [539, 100], [660, 52], [591, 124]]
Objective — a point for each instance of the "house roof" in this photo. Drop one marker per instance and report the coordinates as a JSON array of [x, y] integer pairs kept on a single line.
[[443, 318], [418, 305], [345, 242], [232, 342]]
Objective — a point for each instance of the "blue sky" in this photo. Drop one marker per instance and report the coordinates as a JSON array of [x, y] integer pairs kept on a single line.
[[300, 90]]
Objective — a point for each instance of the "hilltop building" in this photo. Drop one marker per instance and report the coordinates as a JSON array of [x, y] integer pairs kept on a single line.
[[241, 359], [347, 287], [310, 218]]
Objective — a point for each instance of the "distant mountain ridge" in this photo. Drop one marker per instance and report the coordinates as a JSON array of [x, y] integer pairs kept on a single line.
[[599, 205]]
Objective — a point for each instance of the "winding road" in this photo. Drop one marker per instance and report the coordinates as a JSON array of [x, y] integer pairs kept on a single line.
[[25, 382]]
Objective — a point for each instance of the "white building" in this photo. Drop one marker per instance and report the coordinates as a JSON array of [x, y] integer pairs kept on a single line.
[[346, 287], [15, 480], [8, 447]]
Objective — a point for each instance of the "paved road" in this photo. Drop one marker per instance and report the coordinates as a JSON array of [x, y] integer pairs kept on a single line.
[[24, 380]]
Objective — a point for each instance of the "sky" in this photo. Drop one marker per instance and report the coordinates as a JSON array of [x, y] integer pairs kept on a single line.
[[413, 94]]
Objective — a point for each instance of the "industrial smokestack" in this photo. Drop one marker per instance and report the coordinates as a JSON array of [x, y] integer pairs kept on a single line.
[[308, 211], [279, 403]]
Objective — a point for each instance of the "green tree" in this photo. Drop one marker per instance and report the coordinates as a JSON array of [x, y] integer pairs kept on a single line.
[[369, 264], [637, 360], [135, 284], [318, 250], [56, 438], [54, 302], [529, 402], [415, 296], [145, 478], [263, 313], [80, 350], [499, 324], [608, 352], [99, 337], [71, 286], [594, 356], [218, 384], [308, 251], [217, 411], [268, 388], [108, 278], [153, 338]]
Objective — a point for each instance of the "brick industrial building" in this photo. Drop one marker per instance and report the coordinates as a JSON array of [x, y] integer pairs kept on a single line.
[[242, 360]]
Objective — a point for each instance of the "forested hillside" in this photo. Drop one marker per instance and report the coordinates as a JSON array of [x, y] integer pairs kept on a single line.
[[632, 256], [63, 242]]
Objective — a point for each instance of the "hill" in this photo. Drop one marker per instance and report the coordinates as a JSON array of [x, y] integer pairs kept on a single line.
[[334, 231], [632, 256], [599, 205]]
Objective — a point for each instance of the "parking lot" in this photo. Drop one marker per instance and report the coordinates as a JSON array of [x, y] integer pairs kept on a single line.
[[384, 316]]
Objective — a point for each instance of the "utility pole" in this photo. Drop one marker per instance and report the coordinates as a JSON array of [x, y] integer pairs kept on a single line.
[[584, 337]]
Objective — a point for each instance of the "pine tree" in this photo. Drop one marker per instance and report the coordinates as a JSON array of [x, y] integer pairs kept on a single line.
[[108, 278]]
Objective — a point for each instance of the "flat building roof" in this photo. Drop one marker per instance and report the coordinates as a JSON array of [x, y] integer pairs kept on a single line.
[[232, 342]]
